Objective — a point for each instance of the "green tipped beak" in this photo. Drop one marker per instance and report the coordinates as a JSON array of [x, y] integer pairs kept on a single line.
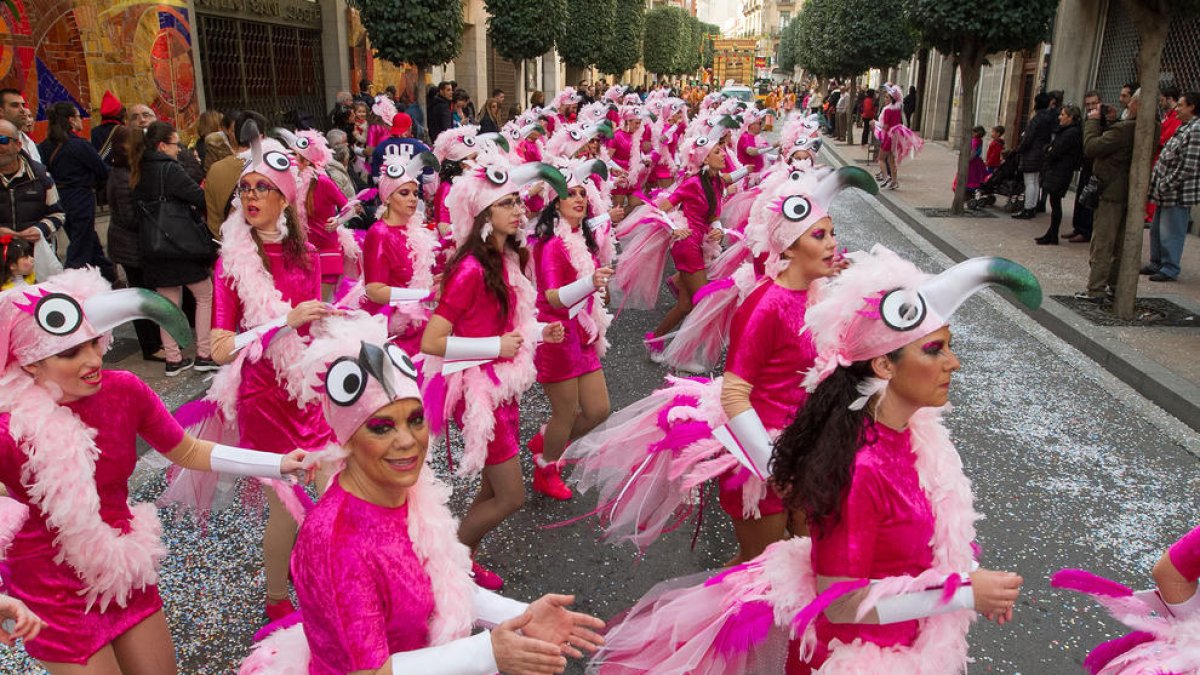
[[947, 291], [428, 160], [496, 138], [1016, 278], [109, 310], [594, 167], [729, 122], [554, 178], [854, 176], [605, 129]]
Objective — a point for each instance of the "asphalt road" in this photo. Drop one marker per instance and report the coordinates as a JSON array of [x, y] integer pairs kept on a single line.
[[1070, 468]]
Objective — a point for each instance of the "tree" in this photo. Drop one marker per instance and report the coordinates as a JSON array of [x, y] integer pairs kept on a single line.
[[587, 27], [787, 47], [969, 30], [523, 30], [623, 49], [711, 32], [1152, 18], [687, 58], [660, 40], [421, 32]]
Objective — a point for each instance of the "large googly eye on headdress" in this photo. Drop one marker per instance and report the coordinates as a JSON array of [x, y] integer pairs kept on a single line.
[[496, 175], [795, 208], [394, 171], [58, 314], [345, 381], [796, 175], [702, 141], [902, 309], [401, 360], [575, 135], [468, 141], [277, 160], [302, 143]]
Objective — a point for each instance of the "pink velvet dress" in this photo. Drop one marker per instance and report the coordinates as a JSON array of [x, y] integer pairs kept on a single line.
[[123, 409], [363, 591], [620, 150], [573, 356], [327, 201], [767, 349], [387, 260], [892, 116], [688, 253], [885, 530], [662, 170], [268, 419], [754, 162], [473, 311]]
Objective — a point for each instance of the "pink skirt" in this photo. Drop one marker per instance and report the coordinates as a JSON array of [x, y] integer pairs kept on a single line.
[[688, 254], [568, 359], [731, 500], [506, 442]]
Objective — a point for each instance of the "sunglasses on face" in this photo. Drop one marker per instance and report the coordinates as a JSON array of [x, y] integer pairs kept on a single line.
[[5, 140], [259, 190]]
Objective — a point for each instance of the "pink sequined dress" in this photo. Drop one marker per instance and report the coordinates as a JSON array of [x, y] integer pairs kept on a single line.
[[362, 588], [123, 409], [573, 356], [327, 201], [474, 312], [885, 530], [662, 155], [688, 253], [268, 419], [388, 258], [768, 350]]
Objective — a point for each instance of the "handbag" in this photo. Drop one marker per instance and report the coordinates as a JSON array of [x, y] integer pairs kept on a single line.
[[45, 261], [1089, 196], [170, 229]]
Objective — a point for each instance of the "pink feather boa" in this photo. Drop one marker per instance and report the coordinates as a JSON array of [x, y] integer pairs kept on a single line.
[[596, 320], [422, 249], [432, 529], [514, 376], [13, 515], [60, 476]]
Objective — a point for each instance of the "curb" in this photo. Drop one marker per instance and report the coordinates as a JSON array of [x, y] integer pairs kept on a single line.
[[1172, 393]]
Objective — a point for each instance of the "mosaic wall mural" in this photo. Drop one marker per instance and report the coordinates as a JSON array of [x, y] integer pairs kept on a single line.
[[74, 50]]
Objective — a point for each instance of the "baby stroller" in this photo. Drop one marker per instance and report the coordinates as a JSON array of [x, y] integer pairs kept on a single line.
[[1005, 180]]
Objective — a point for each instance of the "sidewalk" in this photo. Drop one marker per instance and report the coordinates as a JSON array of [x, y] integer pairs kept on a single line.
[[1163, 364]]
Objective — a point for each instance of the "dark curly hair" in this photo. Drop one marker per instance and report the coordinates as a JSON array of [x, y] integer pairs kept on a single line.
[[490, 258], [813, 461], [549, 216]]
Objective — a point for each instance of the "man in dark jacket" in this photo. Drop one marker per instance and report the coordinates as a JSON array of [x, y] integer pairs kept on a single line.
[[29, 205], [440, 116], [1032, 151]]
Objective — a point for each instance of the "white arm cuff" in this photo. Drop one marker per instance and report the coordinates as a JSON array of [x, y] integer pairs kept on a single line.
[[540, 331], [909, 606], [242, 462], [753, 443], [716, 225], [577, 291], [400, 295], [773, 151], [492, 609], [465, 656], [738, 174], [246, 337], [597, 222], [465, 348], [1185, 609]]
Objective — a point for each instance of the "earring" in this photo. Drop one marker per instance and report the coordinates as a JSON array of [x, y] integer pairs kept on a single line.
[[485, 232]]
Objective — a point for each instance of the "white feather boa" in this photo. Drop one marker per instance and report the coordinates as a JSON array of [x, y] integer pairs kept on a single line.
[[596, 320], [514, 376], [60, 477]]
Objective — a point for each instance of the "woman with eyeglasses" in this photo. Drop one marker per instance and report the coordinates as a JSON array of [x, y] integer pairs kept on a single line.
[[480, 341], [268, 291], [155, 174]]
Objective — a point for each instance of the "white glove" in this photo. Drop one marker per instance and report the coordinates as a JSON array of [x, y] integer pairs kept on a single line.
[[465, 348], [492, 609], [738, 174], [595, 223], [746, 437], [465, 656], [244, 338], [918, 605], [539, 333], [243, 462], [401, 295], [577, 291]]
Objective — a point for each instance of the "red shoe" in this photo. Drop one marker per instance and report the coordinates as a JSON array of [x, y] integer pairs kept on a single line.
[[548, 481], [537, 442], [655, 347], [278, 609], [485, 578]]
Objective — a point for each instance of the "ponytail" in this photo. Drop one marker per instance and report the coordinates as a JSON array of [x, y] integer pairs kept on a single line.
[[141, 142]]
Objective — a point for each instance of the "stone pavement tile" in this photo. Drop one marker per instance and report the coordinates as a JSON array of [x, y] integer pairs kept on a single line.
[[1158, 353]]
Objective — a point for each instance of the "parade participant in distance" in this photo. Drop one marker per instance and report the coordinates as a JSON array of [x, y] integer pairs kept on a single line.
[[85, 561], [480, 341], [385, 585]]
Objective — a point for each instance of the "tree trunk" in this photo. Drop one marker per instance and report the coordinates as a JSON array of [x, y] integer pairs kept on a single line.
[[1152, 27], [970, 62], [922, 80]]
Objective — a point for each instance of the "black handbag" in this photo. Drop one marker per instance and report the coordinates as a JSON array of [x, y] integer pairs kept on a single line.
[[1089, 196], [171, 229]]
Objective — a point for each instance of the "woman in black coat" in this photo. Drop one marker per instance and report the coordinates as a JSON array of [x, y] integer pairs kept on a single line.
[[1062, 160], [155, 174], [1032, 151]]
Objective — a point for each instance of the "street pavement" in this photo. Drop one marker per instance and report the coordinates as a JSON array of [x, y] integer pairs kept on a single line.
[[1070, 468]]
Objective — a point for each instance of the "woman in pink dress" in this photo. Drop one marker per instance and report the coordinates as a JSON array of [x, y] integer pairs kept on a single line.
[[627, 153], [480, 341], [267, 291], [569, 273], [896, 141], [399, 253], [888, 582], [382, 579], [85, 561], [319, 201]]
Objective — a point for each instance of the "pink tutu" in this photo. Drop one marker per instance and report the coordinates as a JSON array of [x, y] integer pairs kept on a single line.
[[698, 344], [642, 259]]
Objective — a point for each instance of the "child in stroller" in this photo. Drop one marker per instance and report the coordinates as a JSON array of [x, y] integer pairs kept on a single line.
[[1005, 180]]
